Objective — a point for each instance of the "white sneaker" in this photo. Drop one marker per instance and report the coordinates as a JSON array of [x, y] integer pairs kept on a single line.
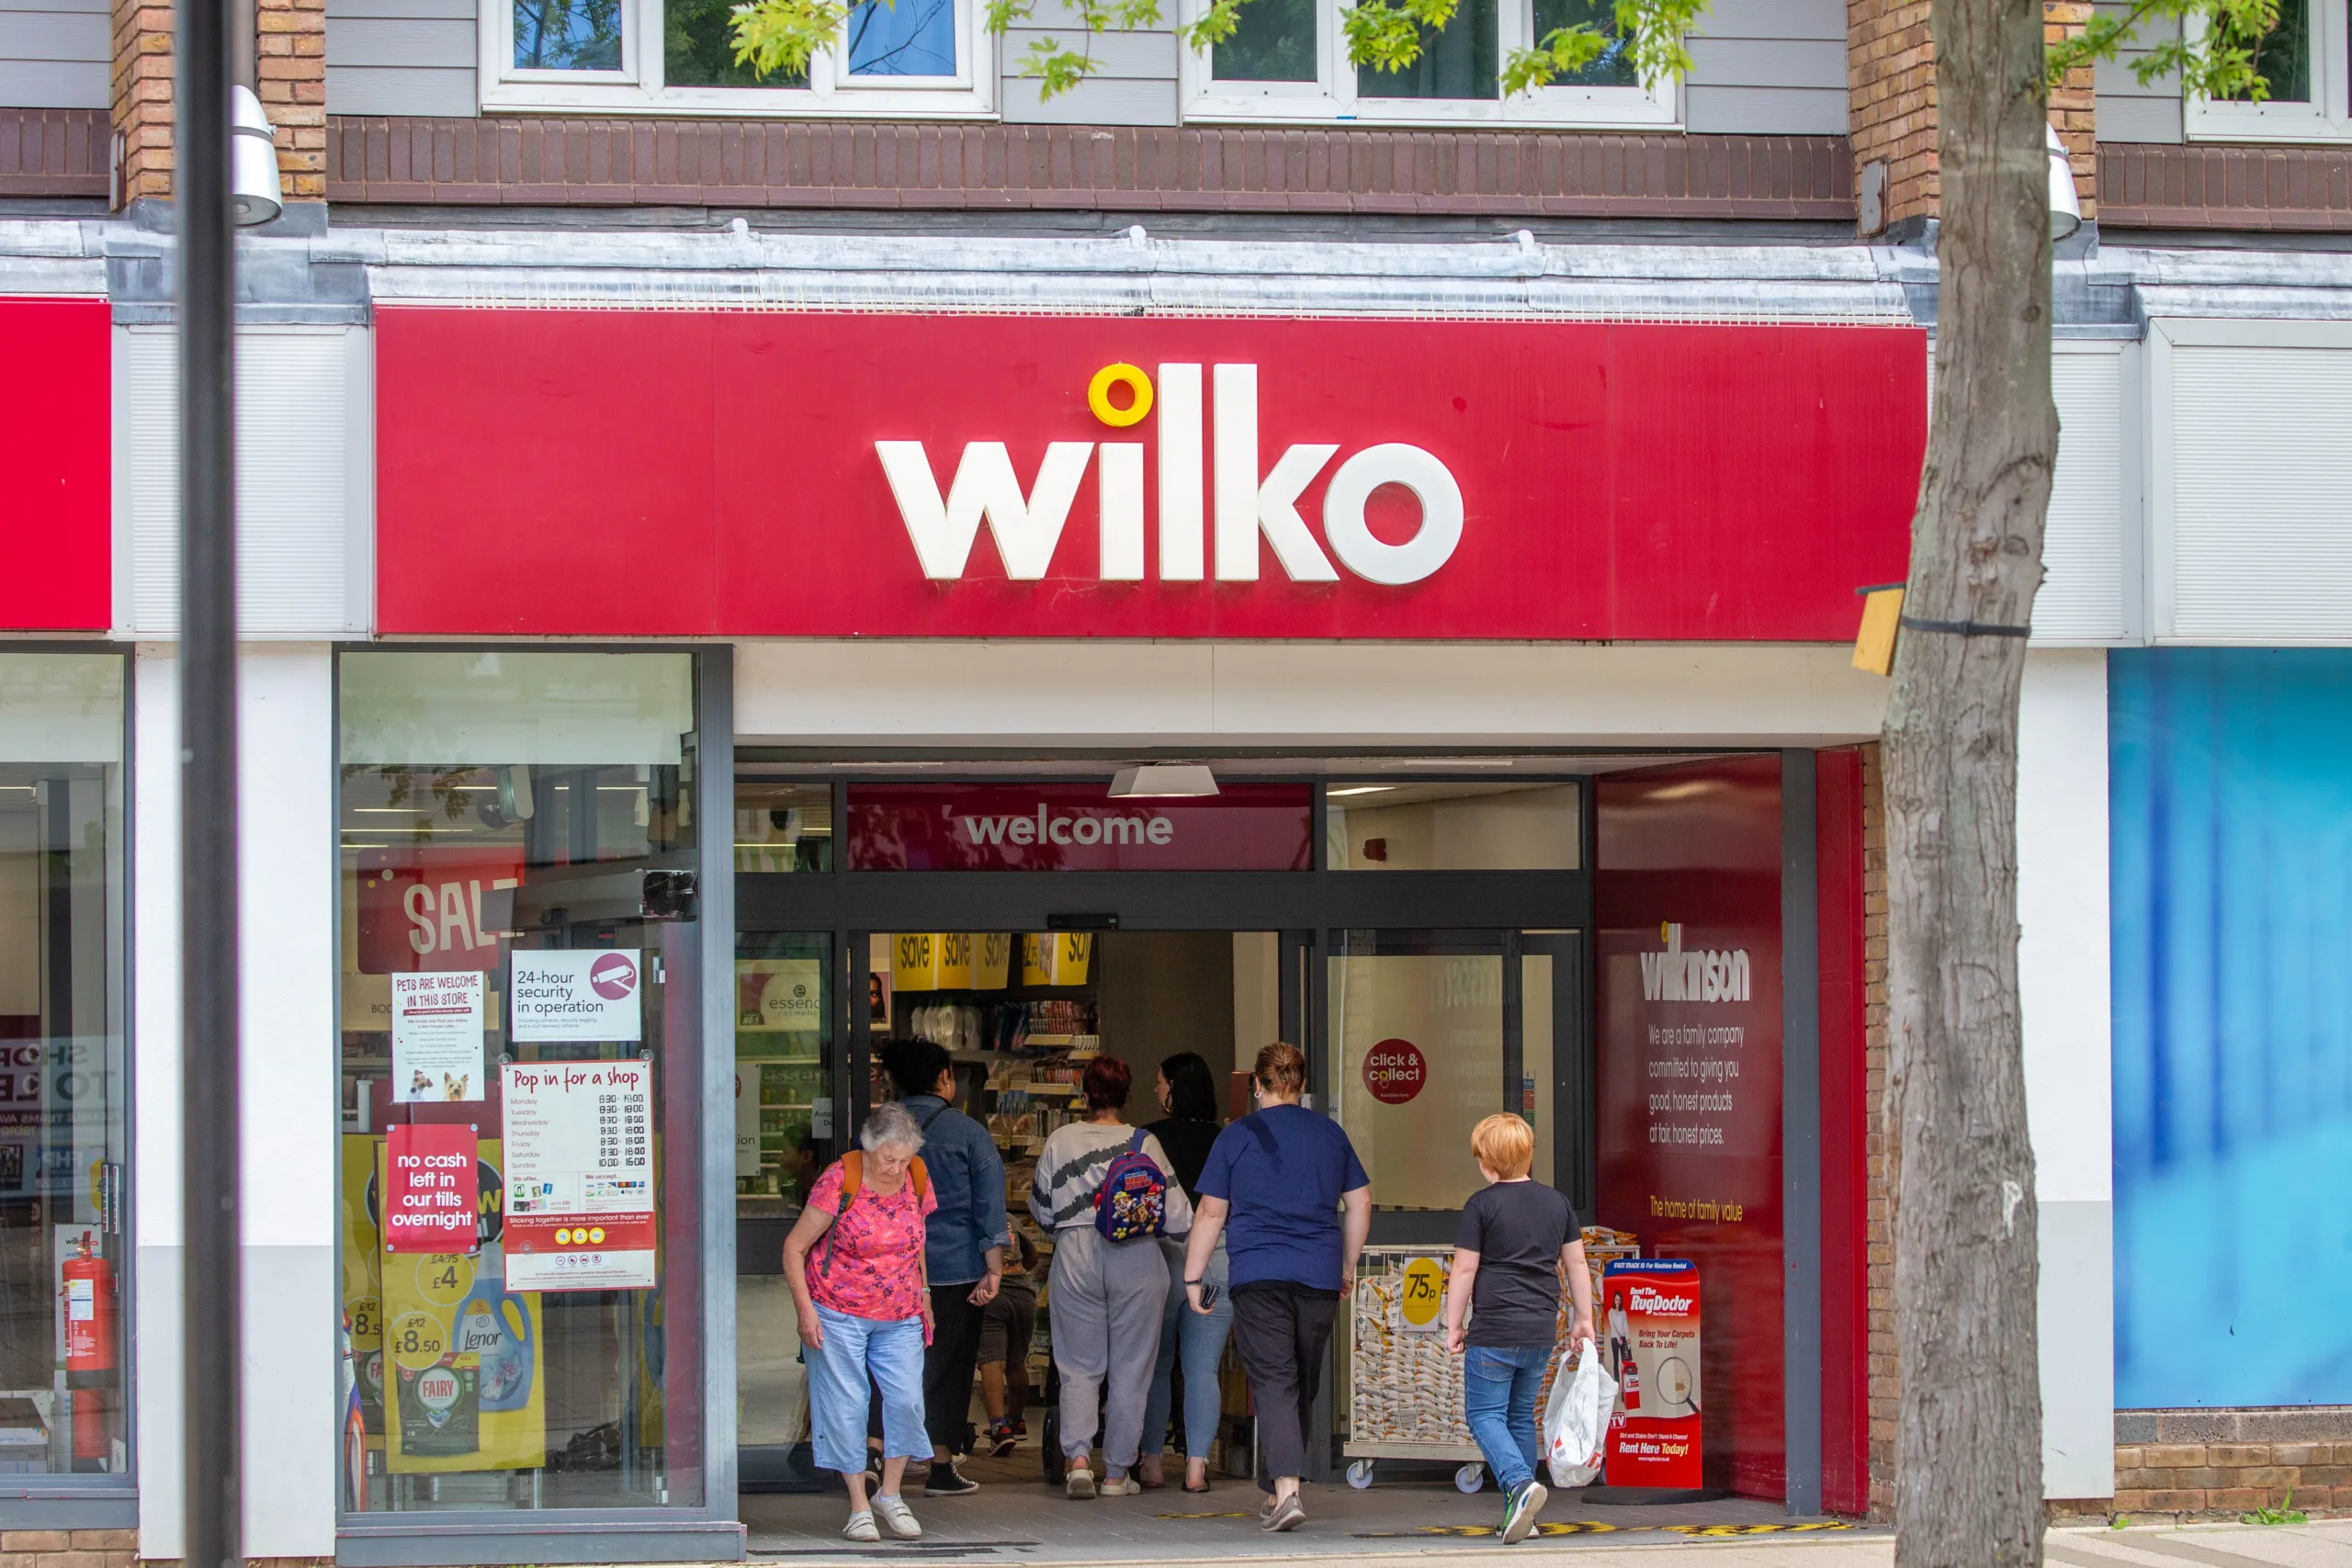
[[861, 1527], [1079, 1484], [899, 1517], [1125, 1486]]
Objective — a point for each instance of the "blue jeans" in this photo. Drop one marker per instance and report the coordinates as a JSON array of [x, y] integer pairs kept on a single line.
[[855, 1348], [1499, 1386], [1202, 1340]]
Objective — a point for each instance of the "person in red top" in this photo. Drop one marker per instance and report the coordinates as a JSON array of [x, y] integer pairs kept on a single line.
[[855, 1261]]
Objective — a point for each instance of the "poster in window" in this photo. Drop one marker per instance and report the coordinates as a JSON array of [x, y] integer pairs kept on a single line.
[[579, 1208]]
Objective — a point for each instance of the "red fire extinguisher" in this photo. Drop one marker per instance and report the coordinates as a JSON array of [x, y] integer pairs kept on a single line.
[[90, 1312]]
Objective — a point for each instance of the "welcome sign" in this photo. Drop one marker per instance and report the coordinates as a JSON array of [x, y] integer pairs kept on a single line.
[[1077, 826]]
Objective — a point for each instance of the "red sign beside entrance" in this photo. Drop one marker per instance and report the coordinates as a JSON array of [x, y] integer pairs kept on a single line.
[[1076, 828], [834, 475]]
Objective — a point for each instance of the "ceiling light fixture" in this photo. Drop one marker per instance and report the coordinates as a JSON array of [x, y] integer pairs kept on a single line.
[[1163, 780], [1360, 789]]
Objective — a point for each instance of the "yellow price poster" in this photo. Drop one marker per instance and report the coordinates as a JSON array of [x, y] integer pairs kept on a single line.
[[1059, 958], [363, 1280], [1421, 1303], [462, 1370]]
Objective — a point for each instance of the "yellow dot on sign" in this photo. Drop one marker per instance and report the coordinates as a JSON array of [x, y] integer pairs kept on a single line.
[[563, 1238], [444, 1278], [416, 1340], [596, 1236], [1098, 395], [1424, 1293]]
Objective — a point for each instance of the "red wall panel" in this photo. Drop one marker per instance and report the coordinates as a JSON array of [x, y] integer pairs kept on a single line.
[[56, 530], [695, 474], [1845, 1089], [1688, 1087]]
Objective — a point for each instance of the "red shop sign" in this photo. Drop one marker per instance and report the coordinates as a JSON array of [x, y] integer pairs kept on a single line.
[[431, 1196], [1051, 477], [1076, 828], [426, 909], [1394, 1071], [56, 464]]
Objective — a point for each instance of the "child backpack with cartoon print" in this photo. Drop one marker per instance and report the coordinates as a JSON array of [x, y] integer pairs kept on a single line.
[[1131, 1202]]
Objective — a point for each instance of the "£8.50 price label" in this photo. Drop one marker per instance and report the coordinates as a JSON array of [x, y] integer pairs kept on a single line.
[[1423, 1297], [416, 1340]]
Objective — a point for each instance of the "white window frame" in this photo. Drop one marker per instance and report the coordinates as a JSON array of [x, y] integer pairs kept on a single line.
[[641, 87], [2326, 117], [1332, 96]]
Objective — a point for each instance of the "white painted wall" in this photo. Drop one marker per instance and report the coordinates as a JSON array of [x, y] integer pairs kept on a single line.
[[286, 865], [156, 1087], [2062, 965], [1318, 697]]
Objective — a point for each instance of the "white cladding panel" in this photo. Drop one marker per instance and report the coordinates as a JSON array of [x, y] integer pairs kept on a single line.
[[2082, 597], [2252, 427], [305, 543]]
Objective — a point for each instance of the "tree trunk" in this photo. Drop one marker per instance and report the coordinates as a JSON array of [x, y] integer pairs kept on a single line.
[[1968, 1448]]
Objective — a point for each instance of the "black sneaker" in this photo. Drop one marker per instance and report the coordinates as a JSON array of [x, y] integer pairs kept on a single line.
[[946, 1480], [1001, 1439]]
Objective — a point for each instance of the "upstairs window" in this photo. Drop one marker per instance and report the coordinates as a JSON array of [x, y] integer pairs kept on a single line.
[[911, 59], [1287, 62], [2304, 61]]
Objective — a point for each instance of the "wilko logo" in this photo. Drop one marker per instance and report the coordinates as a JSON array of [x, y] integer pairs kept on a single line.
[[1675, 976], [1250, 504]]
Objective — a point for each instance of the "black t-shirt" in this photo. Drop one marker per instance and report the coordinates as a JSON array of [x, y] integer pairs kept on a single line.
[[1187, 1144], [1517, 1228]]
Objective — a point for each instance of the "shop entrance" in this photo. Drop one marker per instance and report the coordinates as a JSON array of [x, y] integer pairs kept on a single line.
[[1434, 947], [1419, 1014]]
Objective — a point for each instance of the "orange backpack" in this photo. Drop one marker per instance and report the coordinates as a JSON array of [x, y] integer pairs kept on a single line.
[[852, 1180]]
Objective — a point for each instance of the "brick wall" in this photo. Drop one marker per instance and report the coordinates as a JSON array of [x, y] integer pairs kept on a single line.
[[293, 46], [1890, 101], [69, 1549], [2204, 1462], [1879, 1265], [293, 92]]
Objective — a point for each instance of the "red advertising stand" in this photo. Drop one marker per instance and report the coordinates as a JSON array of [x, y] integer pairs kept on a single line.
[[1650, 1310]]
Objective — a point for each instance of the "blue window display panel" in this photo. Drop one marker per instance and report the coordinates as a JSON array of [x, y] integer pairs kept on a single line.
[[2231, 783], [907, 37]]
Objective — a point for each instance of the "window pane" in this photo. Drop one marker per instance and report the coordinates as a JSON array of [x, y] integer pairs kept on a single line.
[[1274, 42], [907, 37], [2283, 55], [63, 1085], [501, 915], [1420, 1048], [1457, 61], [1452, 827], [1614, 67], [568, 35], [783, 827], [698, 49]]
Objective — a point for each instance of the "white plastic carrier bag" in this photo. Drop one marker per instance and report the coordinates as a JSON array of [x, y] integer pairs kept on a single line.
[[1575, 1418]]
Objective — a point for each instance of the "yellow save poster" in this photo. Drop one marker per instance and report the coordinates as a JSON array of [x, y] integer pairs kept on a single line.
[[463, 1368], [363, 1277]]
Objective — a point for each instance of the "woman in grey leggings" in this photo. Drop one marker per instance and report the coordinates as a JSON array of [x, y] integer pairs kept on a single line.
[[1105, 1296]]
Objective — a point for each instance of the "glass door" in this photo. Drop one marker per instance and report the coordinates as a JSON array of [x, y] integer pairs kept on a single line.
[[1429, 1031]]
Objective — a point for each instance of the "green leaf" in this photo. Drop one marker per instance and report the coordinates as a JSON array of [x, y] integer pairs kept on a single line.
[[2218, 63], [781, 35]]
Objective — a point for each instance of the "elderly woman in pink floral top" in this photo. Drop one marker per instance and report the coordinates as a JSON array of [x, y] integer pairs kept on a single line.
[[855, 1261]]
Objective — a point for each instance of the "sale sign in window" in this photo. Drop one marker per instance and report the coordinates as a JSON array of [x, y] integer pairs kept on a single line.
[[580, 1213], [430, 1195]]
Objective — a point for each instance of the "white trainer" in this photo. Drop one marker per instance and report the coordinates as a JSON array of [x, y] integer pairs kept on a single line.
[[861, 1527], [899, 1517]]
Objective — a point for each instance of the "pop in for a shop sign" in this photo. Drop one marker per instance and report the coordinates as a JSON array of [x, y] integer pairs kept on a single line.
[[580, 1210]]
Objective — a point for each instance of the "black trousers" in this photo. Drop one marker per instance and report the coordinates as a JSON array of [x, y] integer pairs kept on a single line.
[[949, 1363], [1280, 1331]]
